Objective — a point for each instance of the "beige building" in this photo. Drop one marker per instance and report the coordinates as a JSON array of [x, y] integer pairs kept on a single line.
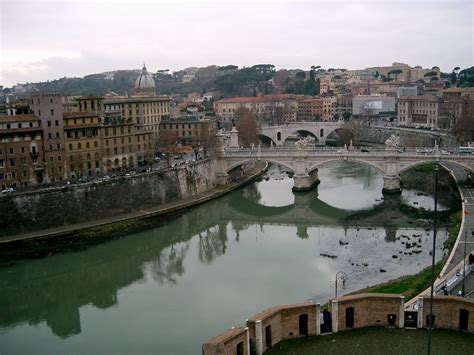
[[419, 111], [277, 108], [145, 109], [407, 73]]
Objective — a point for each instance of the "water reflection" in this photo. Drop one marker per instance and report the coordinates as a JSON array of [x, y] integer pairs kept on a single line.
[[174, 286]]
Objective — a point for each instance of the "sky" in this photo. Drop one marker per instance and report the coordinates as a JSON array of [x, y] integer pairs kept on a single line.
[[46, 40]]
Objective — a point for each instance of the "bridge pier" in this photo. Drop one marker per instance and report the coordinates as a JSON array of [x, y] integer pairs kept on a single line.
[[305, 182], [222, 178], [391, 184]]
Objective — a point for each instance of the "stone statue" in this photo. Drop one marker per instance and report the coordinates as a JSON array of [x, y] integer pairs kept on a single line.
[[303, 143], [392, 143]]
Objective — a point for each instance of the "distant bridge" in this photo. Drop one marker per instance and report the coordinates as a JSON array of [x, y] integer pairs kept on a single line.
[[320, 130]]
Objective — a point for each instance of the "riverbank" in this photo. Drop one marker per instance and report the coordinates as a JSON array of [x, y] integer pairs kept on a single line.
[[119, 225]]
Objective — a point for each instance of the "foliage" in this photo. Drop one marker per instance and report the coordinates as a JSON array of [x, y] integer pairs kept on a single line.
[[346, 115]]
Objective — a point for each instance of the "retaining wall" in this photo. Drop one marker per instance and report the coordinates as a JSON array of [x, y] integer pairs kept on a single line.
[[39, 210]]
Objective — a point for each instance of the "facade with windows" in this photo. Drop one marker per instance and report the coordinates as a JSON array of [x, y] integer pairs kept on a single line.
[[21, 151], [188, 131], [424, 111], [47, 106]]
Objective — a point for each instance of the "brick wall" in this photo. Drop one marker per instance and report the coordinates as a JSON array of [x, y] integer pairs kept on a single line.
[[368, 310], [446, 311], [229, 343]]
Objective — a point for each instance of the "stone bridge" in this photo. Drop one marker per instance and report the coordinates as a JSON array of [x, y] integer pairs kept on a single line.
[[320, 130], [304, 163]]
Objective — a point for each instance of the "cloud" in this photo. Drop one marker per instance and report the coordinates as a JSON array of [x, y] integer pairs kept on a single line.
[[49, 40]]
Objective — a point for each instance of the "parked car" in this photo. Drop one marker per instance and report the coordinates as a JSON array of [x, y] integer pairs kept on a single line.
[[364, 150], [8, 190]]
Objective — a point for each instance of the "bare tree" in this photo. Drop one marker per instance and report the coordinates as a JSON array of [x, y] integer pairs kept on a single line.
[[247, 126], [168, 145]]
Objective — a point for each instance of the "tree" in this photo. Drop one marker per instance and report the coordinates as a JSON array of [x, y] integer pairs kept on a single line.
[[350, 131], [395, 71], [431, 73], [247, 127], [346, 115], [336, 116], [168, 145]]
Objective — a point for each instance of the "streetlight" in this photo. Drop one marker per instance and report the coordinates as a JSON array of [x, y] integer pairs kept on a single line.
[[430, 317], [340, 276]]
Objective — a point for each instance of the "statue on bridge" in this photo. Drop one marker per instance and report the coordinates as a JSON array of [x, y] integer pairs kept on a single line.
[[303, 143], [392, 143]]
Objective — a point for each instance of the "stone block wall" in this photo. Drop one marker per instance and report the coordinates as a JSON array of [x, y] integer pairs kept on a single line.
[[447, 312], [40, 210]]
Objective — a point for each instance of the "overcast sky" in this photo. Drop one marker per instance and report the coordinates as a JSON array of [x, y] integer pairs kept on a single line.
[[43, 40]]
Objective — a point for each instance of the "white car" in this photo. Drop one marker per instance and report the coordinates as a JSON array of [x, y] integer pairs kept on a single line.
[[8, 190]]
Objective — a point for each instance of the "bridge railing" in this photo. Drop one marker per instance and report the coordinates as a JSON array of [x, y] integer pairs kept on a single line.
[[290, 151]]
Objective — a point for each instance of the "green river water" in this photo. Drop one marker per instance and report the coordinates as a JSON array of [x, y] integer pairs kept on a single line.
[[192, 275]]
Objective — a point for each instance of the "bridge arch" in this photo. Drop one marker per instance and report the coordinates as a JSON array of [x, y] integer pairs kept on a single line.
[[249, 160], [268, 137], [351, 159]]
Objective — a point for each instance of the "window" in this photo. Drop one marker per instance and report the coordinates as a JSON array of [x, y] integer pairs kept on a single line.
[[57, 135], [31, 124], [12, 162], [12, 151], [87, 145], [59, 158], [51, 158], [2, 163], [49, 123], [50, 147], [50, 135], [8, 125], [22, 149], [51, 100], [56, 122], [79, 146], [96, 144], [52, 112], [70, 146], [39, 112]]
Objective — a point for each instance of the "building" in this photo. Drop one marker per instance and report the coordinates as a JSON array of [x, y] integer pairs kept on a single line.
[[188, 130], [407, 91], [310, 109], [99, 139], [369, 105], [401, 72], [47, 106], [277, 108], [21, 151], [343, 104], [144, 108], [423, 111], [83, 143]]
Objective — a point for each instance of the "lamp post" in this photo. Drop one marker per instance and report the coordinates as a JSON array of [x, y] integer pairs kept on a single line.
[[340, 276], [430, 317]]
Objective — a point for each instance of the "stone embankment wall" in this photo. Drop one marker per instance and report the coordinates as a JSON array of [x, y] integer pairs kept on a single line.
[[38, 210], [267, 328], [409, 138]]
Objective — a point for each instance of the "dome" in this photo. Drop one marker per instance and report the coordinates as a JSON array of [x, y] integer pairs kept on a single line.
[[144, 80]]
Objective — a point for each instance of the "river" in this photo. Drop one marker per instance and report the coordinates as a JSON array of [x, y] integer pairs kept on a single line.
[[192, 275]]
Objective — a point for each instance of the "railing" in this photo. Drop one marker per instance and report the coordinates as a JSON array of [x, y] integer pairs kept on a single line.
[[410, 152]]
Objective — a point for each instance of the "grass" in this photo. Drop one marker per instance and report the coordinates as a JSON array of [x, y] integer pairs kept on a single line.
[[409, 286], [379, 341]]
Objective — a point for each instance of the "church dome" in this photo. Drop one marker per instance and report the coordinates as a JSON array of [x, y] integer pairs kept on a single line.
[[144, 80]]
